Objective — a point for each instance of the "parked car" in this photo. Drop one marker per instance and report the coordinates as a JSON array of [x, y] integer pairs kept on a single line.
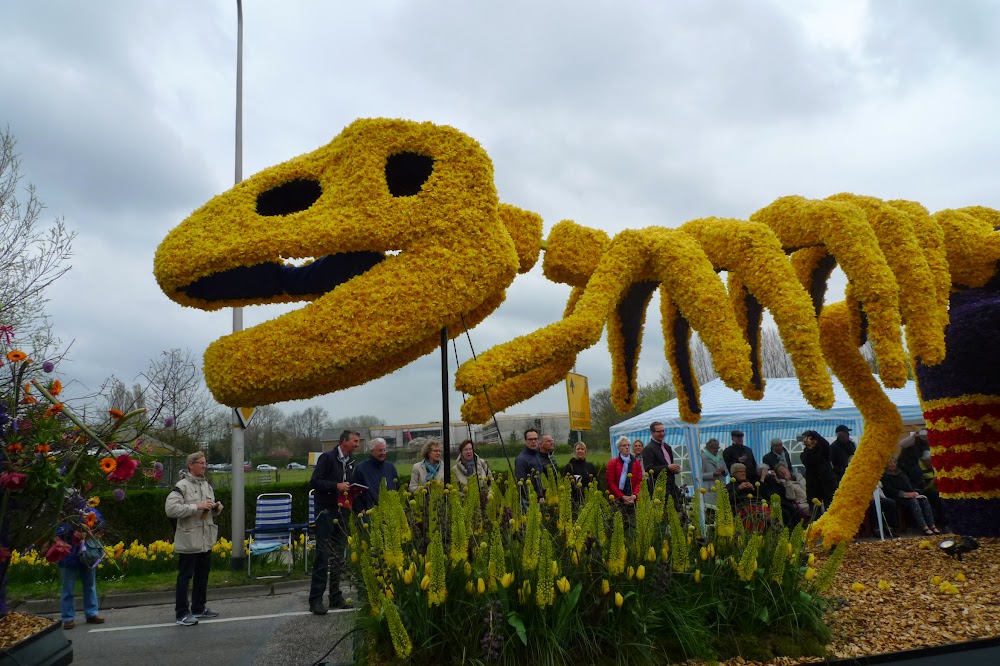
[[264, 467], [246, 466], [295, 465]]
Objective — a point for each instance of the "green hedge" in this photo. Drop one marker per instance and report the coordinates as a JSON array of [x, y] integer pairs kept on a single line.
[[141, 516]]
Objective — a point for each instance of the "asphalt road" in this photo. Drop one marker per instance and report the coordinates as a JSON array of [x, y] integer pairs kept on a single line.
[[252, 631]]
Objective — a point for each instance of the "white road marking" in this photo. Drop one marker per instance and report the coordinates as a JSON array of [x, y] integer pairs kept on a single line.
[[221, 619]]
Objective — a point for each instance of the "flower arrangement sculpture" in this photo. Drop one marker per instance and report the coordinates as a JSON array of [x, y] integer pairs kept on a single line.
[[402, 229], [49, 461]]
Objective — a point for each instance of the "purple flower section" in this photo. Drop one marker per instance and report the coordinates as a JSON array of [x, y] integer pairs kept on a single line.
[[119, 494], [48, 366], [973, 517], [158, 466], [972, 364]]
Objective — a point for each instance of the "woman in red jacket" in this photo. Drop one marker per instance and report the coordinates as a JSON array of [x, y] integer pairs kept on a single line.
[[624, 475]]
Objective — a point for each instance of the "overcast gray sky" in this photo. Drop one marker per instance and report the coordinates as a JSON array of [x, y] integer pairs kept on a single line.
[[614, 114]]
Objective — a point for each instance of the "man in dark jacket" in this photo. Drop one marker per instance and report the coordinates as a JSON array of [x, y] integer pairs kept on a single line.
[[658, 457], [841, 451], [371, 472], [737, 453], [778, 454], [331, 481], [529, 467]]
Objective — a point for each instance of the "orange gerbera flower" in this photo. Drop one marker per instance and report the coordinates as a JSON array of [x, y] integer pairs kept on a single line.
[[29, 400], [27, 388], [14, 448], [54, 409], [116, 413], [90, 519], [42, 448], [16, 355], [56, 387], [108, 465]]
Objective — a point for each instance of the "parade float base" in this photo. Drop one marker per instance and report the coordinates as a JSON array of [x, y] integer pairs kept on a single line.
[[912, 621], [29, 639]]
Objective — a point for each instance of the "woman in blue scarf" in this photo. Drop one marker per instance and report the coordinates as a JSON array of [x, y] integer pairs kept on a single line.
[[429, 468]]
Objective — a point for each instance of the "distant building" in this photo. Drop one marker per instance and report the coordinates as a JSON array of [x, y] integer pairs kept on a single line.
[[505, 425]]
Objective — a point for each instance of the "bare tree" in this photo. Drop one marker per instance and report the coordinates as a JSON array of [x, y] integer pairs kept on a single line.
[[306, 428], [119, 396], [32, 255], [775, 361], [178, 400], [356, 422], [701, 361], [266, 432]]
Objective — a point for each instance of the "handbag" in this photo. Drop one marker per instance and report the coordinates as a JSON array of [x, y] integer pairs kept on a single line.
[[91, 552]]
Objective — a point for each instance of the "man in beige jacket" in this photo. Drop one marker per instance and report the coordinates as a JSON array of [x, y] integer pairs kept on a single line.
[[192, 503]]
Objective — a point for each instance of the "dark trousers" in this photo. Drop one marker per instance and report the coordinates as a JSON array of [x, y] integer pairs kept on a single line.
[[196, 566], [331, 541]]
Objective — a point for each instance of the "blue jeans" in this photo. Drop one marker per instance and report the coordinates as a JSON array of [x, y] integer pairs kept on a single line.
[[88, 578]]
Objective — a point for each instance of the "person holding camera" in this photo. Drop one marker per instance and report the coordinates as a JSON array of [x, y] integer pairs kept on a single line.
[[192, 503]]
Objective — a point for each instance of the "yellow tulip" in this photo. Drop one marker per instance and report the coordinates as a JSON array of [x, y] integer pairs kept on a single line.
[[605, 587], [408, 576], [619, 599], [697, 575], [651, 554], [425, 582], [468, 569], [563, 585], [469, 587], [555, 568], [960, 577], [576, 558], [810, 573], [631, 572], [812, 560], [480, 586], [640, 573], [711, 550], [703, 553], [858, 587], [507, 580]]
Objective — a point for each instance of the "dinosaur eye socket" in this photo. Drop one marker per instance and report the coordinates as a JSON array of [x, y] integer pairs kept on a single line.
[[287, 198], [406, 173]]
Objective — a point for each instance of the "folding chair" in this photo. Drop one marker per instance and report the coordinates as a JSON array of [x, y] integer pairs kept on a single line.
[[310, 531], [273, 529]]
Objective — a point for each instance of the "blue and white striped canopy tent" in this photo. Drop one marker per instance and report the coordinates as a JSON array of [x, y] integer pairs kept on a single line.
[[783, 412]]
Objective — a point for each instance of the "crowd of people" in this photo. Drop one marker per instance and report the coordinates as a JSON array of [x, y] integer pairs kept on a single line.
[[908, 481]]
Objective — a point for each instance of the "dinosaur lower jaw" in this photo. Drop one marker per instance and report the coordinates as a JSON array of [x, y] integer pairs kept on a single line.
[[273, 281]]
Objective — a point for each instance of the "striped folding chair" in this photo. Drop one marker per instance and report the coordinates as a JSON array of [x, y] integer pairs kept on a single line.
[[310, 531], [273, 530]]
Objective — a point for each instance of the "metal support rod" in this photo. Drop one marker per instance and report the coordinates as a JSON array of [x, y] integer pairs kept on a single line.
[[445, 419], [238, 507]]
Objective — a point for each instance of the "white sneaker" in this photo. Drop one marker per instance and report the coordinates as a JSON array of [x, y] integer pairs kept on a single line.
[[188, 620]]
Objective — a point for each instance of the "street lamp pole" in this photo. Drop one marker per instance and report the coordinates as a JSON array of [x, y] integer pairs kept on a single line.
[[238, 481]]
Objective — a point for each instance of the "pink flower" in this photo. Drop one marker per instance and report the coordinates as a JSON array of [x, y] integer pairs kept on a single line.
[[13, 481], [58, 550], [124, 469]]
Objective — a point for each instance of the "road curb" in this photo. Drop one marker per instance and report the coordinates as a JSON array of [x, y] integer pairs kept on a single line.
[[131, 600]]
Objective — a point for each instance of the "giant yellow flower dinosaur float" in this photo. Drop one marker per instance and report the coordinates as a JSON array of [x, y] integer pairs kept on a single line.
[[402, 234]]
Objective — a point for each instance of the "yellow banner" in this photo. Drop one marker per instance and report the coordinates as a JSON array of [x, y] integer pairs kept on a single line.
[[579, 401]]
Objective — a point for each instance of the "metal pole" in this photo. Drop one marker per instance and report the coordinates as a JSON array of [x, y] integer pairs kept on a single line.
[[445, 420], [238, 507]]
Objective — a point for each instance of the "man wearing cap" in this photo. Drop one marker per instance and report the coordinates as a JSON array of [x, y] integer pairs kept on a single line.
[[737, 453], [841, 451]]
